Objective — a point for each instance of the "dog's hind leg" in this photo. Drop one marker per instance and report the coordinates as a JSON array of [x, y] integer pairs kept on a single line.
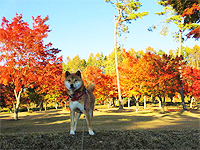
[[72, 117], [77, 118], [88, 120], [91, 114]]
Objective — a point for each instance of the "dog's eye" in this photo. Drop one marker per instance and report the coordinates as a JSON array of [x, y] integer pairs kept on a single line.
[[75, 80], [69, 80]]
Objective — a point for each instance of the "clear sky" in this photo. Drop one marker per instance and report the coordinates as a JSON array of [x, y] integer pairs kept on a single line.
[[81, 27]]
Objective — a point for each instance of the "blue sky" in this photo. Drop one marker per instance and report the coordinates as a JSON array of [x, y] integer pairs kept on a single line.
[[81, 27]]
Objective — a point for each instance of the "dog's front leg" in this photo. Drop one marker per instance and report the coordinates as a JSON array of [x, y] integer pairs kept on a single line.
[[72, 116], [77, 118]]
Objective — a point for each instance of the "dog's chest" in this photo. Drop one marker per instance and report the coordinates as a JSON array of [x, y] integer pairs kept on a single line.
[[75, 105]]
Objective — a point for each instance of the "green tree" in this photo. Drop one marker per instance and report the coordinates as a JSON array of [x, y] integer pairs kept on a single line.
[[96, 60], [127, 10], [140, 53], [109, 62], [90, 61], [192, 56], [150, 49], [99, 59], [72, 65], [160, 52]]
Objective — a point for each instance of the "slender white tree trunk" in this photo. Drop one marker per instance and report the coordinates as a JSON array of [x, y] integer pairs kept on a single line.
[[56, 103], [181, 81], [45, 106], [116, 61], [145, 104], [192, 100], [180, 43], [129, 102], [137, 103]]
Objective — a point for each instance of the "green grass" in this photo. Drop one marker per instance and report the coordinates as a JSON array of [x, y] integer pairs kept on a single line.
[[114, 130]]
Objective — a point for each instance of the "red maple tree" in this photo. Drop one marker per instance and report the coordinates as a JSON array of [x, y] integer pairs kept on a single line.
[[191, 81], [105, 86], [24, 54], [150, 75], [193, 13]]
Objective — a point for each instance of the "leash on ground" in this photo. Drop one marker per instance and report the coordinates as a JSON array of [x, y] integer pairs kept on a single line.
[[83, 128]]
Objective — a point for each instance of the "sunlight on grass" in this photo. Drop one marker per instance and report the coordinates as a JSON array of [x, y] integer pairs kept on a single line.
[[124, 119], [150, 125], [189, 114], [104, 119], [55, 122]]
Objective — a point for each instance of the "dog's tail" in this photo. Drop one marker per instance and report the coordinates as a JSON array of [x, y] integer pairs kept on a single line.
[[91, 87]]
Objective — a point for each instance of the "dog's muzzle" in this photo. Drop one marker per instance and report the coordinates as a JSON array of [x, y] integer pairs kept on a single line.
[[71, 85]]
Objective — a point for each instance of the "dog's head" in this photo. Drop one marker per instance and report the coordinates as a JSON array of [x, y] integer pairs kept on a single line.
[[73, 81]]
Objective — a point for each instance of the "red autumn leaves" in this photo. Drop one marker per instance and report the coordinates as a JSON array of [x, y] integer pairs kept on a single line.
[[29, 63], [26, 61], [151, 74]]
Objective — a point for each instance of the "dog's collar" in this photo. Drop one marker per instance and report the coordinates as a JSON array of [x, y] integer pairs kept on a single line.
[[77, 96]]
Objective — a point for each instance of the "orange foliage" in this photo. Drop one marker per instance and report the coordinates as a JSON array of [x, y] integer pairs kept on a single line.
[[26, 60], [191, 80], [104, 84], [195, 33], [151, 74], [191, 10]]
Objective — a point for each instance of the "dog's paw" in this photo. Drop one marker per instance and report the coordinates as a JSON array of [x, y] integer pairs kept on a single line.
[[91, 132], [72, 133]]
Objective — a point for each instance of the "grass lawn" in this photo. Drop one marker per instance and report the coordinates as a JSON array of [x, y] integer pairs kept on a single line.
[[114, 129]]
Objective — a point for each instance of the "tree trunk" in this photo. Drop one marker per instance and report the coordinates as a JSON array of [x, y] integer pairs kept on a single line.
[[160, 103], [45, 106], [163, 105], [172, 99], [129, 104], [10, 109], [109, 102], [56, 103], [113, 100], [145, 104], [191, 101], [16, 106], [65, 105], [41, 106], [137, 106], [116, 61], [28, 107], [16, 110], [137, 103], [181, 82], [153, 99], [180, 43]]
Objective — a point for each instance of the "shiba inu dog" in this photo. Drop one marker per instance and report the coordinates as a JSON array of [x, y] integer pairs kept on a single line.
[[81, 100]]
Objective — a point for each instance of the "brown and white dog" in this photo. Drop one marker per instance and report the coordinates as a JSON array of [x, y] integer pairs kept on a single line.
[[81, 100]]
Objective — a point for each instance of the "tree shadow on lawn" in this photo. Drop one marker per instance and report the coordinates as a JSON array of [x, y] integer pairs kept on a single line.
[[56, 121], [48, 121], [146, 122]]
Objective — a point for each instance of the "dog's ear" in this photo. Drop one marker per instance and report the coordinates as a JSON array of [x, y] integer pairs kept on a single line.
[[67, 73], [78, 73]]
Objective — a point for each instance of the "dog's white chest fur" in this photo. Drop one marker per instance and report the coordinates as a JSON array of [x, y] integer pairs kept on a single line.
[[75, 104]]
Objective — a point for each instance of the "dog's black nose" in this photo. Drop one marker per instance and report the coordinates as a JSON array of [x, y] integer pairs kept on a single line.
[[71, 85]]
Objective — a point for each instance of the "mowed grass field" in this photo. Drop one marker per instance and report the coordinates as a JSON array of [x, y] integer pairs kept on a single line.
[[114, 129]]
